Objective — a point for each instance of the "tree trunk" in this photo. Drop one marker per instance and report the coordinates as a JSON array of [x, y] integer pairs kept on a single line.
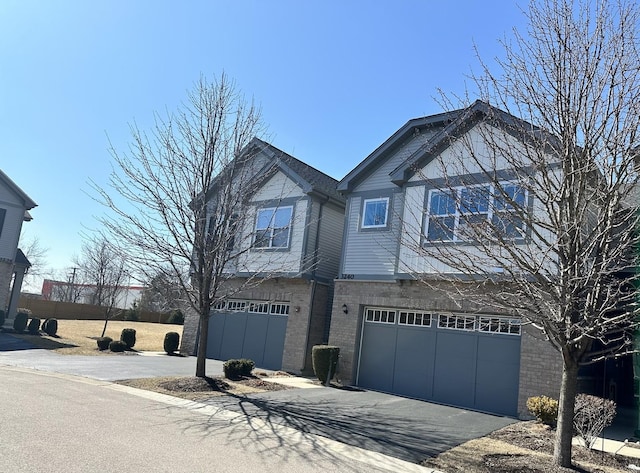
[[104, 329], [203, 338], [566, 404]]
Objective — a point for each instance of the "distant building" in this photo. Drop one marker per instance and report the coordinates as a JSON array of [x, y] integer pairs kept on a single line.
[[65, 291]]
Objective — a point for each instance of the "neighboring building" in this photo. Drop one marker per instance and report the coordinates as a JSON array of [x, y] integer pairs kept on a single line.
[[63, 291], [14, 209], [295, 219], [400, 336]]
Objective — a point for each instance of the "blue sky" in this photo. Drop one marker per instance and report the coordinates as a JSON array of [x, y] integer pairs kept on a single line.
[[334, 79]]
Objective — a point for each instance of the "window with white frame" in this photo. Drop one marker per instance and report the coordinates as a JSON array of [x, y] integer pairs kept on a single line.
[[455, 214], [499, 325], [279, 309], [457, 321], [383, 316], [422, 319], [375, 213], [273, 227]]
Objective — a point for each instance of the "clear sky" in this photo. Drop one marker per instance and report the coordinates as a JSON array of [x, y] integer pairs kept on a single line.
[[334, 79]]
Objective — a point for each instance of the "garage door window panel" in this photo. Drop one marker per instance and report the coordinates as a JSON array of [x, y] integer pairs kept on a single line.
[[383, 316]]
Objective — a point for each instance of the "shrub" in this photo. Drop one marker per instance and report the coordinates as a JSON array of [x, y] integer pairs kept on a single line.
[[50, 327], [325, 361], [104, 342], [117, 346], [544, 408], [20, 322], [34, 326], [2, 317], [236, 368], [133, 314], [176, 317], [171, 342], [591, 415], [128, 336]]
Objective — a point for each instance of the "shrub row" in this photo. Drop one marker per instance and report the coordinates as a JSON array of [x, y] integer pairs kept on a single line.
[[127, 341], [592, 414]]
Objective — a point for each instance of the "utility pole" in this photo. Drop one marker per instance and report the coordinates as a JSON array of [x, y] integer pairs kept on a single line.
[[71, 296]]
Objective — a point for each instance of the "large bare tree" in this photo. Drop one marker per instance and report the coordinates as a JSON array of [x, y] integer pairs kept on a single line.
[[179, 199], [102, 275], [540, 220]]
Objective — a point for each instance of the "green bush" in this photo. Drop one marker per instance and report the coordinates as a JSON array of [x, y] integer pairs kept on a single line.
[[171, 342], [2, 317], [176, 317], [103, 343], [117, 346], [34, 326], [325, 361], [544, 408], [133, 314], [236, 368], [20, 322], [591, 416], [50, 327], [128, 336]]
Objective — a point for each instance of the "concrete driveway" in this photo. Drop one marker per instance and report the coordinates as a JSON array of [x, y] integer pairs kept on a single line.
[[403, 428]]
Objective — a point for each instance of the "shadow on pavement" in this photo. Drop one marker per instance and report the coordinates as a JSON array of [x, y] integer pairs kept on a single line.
[[15, 342]]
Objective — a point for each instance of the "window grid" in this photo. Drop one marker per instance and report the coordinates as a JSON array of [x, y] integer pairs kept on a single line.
[[273, 227], [254, 307], [500, 325], [422, 319], [236, 306], [457, 322], [451, 214], [259, 307], [279, 309], [383, 316]]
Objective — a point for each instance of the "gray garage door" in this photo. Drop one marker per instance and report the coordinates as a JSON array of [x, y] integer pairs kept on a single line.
[[459, 359], [243, 334]]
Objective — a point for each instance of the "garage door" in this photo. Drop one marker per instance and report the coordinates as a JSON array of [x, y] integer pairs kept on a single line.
[[249, 329], [464, 360]]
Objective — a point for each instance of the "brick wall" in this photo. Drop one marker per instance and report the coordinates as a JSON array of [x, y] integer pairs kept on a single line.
[[6, 272]]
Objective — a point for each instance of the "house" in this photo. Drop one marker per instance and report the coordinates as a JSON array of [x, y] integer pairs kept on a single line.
[[401, 336], [289, 245], [14, 210]]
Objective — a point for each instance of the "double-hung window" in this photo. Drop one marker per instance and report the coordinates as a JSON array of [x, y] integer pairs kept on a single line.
[[273, 227], [375, 213], [464, 213]]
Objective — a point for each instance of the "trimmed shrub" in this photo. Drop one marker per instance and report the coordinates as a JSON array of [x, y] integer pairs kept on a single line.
[[591, 416], [34, 326], [236, 368], [544, 409], [20, 322], [103, 343], [128, 336], [171, 342], [176, 317], [325, 361], [2, 317], [50, 327], [117, 346]]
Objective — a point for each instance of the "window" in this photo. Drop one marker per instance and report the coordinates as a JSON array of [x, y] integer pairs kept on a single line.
[[383, 316], [460, 214], [457, 322], [374, 214], [273, 227], [279, 309], [259, 307], [415, 318], [499, 325]]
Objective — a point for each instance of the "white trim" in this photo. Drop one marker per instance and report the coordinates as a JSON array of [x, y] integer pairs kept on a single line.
[[386, 212]]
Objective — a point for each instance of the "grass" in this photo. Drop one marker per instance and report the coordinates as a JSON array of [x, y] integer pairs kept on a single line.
[[78, 337]]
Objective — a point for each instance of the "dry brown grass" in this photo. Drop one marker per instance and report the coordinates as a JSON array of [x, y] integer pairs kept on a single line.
[[78, 337]]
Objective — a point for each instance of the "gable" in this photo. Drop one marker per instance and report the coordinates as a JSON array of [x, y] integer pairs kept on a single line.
[[278, 186]]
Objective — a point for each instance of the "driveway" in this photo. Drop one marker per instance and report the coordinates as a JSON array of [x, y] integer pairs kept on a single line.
[[403, 428]]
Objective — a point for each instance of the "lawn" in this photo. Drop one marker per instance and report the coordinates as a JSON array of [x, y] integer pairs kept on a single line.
[[78, 337]]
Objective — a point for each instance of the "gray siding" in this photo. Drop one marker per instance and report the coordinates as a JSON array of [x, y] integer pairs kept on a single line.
[[330, 242], [379, 178]]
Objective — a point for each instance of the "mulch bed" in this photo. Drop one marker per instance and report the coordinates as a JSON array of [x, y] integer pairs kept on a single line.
[[194, 384]]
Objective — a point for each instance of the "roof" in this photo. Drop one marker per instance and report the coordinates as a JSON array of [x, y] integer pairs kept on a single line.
[[443, 127], [21, 259], [28, 203], [307, 177]]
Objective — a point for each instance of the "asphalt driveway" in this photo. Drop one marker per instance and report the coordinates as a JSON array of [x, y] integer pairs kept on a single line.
[[403, 428]]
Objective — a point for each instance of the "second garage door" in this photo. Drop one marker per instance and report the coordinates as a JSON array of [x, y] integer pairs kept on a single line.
[[464, 360]]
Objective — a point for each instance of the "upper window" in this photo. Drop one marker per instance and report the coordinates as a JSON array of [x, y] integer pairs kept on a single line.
[[455, 214], [273, 227], [375, 213]]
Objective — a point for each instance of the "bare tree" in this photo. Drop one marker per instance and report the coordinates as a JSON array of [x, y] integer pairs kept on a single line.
[[102, 273], [163, 293], [179, 200], [36, 253], [540, 221]]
